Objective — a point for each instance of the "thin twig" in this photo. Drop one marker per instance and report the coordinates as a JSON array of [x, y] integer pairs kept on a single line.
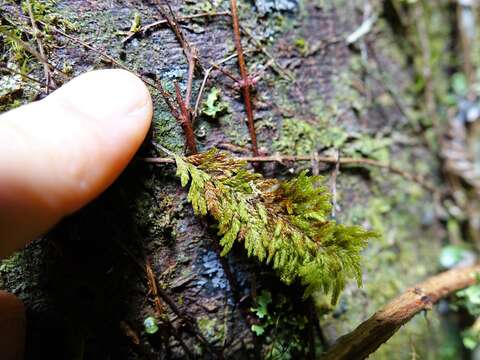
[[16, 72], [165, 150], [183, 18], [191, 69], [173, 23], [193, 60], [245, 79], [147, 27], [48, 75], [204, 82], [186, 123], [155, 84], [277, 67], [226, 73], [326, 159], [187, 320], [32, 51], [333, 180], [152, 285], [129, 332], [375, 331], [160, 309]]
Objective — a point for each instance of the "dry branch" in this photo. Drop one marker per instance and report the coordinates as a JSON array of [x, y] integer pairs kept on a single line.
[[326, 159], [6, 69], [147, 27], [172, 22], [204, 82], [375, 331], [48, 75], [33, 52]]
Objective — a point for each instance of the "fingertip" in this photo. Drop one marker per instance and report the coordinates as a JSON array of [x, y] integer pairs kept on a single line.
[[115, 111], [58, 154]]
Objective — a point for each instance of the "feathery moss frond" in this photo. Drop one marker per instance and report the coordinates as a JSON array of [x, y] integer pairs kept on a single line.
[[283, 223]]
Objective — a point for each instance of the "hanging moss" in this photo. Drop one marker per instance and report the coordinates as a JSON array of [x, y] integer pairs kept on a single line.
[[283, 223]]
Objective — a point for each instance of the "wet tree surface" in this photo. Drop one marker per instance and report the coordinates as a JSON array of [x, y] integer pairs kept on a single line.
[[84, 284]]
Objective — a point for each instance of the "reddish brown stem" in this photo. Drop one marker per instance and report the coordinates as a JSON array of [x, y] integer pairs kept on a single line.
[[155, 84], [152, 285], [245, 79], [326, 159], [375, 331], [186, 123], [173, 23]]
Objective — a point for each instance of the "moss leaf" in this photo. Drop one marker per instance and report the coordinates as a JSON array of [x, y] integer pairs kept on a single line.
[[284, 223]]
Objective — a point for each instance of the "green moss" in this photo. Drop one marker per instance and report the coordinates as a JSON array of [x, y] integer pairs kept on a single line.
[[43, 11], [370, 147], [235, 129], [10, 92], [212, 329], [283, 223], [297, 137], [280, 327], [302, 45], [346, 95], [11, 262], [300, 138], [11, 268]]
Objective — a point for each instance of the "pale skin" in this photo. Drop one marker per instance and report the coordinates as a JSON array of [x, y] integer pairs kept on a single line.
[[57, 155]]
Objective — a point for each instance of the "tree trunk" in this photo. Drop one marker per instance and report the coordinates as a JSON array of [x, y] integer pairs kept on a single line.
[[332, 78]]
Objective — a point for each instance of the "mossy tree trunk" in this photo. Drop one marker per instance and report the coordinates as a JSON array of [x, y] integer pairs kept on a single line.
[[347, 78]]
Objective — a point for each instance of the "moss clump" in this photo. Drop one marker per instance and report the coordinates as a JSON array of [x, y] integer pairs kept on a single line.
[[44, 12], [281, 327], [211, 329], [285, 223], [298, 137]]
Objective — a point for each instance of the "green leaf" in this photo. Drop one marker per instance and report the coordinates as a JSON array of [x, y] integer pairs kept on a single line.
[[212, 107], [258, 329], [263, 300]]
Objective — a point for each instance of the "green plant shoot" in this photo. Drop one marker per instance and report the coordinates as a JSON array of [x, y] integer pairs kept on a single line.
[[283, 223]]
